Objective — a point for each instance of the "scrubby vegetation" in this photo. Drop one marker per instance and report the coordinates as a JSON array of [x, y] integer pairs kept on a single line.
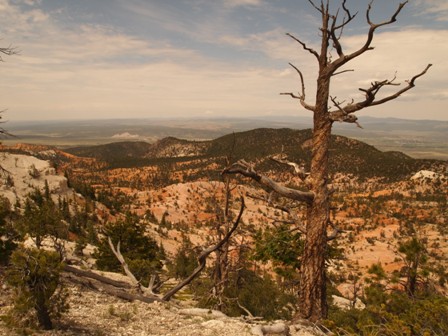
[[146, 207], [141, 252], [39, 297]]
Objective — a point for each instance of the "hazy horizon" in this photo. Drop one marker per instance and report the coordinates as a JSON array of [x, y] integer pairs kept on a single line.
[[7, 121]]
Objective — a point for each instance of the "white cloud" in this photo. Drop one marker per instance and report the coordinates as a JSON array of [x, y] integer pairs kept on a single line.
[[125, 135], [32, 2], [437, 7], [239, 3], [99, 71]]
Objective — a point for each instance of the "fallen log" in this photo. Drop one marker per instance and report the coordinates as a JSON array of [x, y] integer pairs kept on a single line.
[[93, 275], [105, 285]]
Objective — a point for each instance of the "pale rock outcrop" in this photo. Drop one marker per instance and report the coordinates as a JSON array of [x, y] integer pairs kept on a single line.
[[21, 174]]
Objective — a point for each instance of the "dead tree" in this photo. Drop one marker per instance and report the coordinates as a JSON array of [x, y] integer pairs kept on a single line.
[[202, 258], [148, 292], [326, 110]]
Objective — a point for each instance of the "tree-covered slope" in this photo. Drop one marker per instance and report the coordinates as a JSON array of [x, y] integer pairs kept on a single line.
[[347, 155]]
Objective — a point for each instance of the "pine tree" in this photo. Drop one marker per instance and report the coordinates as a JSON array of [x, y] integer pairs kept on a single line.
[[35, 276], [140, 251]]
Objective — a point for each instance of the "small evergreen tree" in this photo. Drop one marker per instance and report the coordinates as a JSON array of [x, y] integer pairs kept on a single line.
[[8, 235], [415, 257], [140, 251], [35, 276], [185, 260], [41, 218]]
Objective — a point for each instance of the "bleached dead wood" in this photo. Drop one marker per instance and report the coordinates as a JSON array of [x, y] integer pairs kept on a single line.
[[95, 276], [104, 285], [135, 282], [274, 329]]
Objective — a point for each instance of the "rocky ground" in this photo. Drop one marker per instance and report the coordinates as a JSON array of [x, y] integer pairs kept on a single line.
[[95, 313]]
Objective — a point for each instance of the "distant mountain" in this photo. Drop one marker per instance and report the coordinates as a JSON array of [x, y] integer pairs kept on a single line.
[[418, 138], [113, 151], [347, 155]]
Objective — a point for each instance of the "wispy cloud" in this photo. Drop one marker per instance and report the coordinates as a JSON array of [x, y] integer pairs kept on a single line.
[[439, 8], [239, 3], [84, 68]]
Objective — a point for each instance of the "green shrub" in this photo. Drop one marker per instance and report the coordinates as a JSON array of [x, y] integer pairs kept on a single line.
[[261, 296], [397, 315], [8, 234], [35, 276], [140, 251], [41, 218], [185, 260]]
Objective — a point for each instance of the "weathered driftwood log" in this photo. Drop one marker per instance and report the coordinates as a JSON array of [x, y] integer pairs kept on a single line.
[[106, 285], [93, 275]]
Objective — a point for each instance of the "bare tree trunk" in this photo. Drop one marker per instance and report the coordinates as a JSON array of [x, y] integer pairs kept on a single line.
[[312, 292], [43, 315]]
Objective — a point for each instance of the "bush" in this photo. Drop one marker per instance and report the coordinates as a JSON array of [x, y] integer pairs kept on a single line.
[[399, 314], [140, 251], [261, 296], [41, 218], [35, 276], [8, 234], [185, 260]]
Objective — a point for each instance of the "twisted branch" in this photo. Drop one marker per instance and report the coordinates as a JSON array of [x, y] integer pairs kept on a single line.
[[244, 168]]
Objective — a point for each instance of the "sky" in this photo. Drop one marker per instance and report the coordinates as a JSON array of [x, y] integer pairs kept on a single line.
[[107, 59]]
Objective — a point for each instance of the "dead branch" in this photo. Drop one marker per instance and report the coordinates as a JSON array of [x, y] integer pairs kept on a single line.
[[301, 97], [243, 168], [247, 311], [343, 71], [304, 46], [142, 289], [411, 84], [104, 285], [375, 87], [8, 51], [298, 169], [95, 276], [367, 44], [315, 6], [202, 258], [336, 30], [348, 15], [342, 115]]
